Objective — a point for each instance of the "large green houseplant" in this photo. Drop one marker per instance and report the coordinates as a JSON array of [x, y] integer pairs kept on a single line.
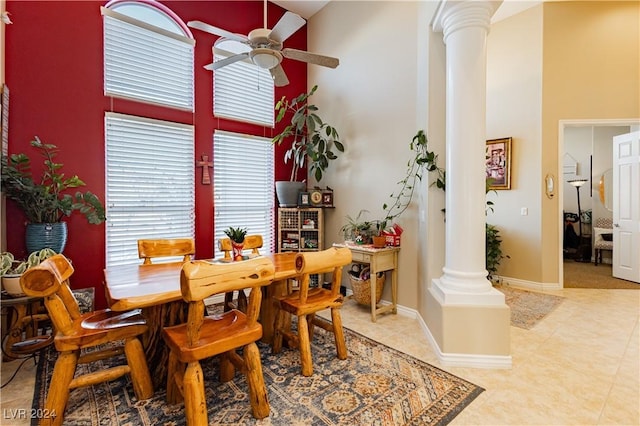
[[313, 141], [46, 201]]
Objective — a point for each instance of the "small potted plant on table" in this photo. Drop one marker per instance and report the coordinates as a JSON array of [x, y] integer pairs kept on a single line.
[[236, 235]]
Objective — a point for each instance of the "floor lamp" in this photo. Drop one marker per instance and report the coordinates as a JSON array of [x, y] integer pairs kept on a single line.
[[578, 183]]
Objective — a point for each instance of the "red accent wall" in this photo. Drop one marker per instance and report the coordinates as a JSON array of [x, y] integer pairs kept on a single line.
[[54, 71]]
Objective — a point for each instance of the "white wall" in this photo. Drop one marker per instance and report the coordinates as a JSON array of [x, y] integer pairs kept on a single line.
[[372, 98], [514, 105]]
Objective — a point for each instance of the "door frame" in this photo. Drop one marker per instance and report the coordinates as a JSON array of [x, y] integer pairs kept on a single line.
[[562, 125]]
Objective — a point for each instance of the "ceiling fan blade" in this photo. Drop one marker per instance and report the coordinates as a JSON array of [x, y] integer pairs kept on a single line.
[[279, 77], [226, 61], [217, 31], [311, 58], [286, 26]]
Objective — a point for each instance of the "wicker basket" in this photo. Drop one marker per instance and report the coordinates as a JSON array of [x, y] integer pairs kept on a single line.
[[362, 288]]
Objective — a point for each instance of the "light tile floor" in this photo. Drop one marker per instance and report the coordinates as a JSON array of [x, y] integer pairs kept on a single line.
[[579, 366]]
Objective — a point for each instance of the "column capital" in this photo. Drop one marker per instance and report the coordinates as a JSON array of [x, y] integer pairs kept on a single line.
[[453, 15]]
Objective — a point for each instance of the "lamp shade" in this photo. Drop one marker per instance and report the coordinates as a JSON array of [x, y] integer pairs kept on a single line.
[[265, 58], [577, 182]]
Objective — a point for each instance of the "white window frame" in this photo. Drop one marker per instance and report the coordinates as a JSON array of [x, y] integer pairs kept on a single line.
[[150, 193], [242, 91], [243, 186], [145, 62]]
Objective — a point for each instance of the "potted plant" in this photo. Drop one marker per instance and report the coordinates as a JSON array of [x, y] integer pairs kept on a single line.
[[11, 270], [236, 235], [357, 229], [47, 201], [314, 142]]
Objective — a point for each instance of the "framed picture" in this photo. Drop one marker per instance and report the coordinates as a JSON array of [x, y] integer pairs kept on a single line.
[[327, 198], [498, 163], [303, 199]]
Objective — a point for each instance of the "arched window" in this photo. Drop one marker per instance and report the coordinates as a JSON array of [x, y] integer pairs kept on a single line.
[[148, 54]]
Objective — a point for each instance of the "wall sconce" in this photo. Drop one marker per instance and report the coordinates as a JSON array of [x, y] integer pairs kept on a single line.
[[550, 185]]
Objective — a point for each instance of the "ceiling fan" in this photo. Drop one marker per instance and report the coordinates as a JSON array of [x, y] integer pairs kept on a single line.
[[266, 46]]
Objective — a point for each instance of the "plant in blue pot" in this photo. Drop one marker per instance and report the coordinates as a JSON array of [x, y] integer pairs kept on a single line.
[[45, 202]]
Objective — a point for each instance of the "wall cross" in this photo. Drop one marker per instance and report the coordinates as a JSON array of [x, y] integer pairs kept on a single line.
[[205, 164]]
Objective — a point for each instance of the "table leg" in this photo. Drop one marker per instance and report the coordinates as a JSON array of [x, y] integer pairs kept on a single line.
[[374, 291], [156, 351], [268, 308]]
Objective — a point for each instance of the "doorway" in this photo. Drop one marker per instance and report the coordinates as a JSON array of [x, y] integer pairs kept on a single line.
[[588, 144]]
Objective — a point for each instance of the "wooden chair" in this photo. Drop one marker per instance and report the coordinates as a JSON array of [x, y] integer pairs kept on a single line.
[[148, 249], [76, 331], [305, 302], [251, 242], [222, 334]]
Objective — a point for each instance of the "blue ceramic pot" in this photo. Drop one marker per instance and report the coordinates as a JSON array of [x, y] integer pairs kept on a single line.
[[43, 235]]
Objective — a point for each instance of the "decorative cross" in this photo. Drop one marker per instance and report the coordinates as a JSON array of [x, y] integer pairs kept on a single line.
[[205, 164]]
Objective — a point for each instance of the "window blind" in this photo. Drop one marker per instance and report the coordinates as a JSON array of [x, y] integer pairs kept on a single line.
[[147, 63], [150, 183], [243, 186], [242, 91]]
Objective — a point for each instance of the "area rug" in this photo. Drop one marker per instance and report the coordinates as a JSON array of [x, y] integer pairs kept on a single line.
[[528, 307], [376, 385]]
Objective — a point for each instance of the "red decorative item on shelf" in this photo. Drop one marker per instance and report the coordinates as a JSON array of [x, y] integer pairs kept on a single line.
[[392, 235]]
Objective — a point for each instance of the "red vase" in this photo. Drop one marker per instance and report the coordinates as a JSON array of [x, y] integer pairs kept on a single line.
[[237, 250]]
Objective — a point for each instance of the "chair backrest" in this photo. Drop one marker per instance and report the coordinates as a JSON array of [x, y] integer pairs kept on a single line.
[[604, 222], [330, 260], [50, 280], [150, 248], [201, 279], [251, 242]]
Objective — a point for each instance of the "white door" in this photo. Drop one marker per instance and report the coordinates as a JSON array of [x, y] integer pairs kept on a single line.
[[626, 206]]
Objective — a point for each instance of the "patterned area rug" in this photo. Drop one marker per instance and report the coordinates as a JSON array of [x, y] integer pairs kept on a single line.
[[375, 385], [528, 307]]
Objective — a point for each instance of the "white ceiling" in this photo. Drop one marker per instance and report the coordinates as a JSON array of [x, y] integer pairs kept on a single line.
[[307, 8], [304, 8]]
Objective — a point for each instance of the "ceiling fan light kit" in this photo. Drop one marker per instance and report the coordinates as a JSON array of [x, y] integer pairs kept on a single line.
[[266, 47], [265, 58]]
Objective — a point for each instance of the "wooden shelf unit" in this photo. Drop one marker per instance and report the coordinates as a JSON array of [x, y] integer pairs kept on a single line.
[[300, 229]]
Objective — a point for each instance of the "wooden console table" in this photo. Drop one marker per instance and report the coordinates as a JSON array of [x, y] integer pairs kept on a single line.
[[379, 260]]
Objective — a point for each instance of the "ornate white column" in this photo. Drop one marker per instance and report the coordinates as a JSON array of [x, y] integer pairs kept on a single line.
[[467, 318], [465, 25]]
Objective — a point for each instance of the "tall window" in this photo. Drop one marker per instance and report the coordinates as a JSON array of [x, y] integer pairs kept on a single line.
[[243, 192], [148, 57], [150, 175]]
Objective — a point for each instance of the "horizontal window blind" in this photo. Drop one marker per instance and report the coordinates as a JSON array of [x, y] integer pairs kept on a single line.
[[147, 63], [243, 186], [243, 91], [150, 183]]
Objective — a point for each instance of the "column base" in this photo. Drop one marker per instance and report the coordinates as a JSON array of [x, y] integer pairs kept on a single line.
[[450, 289], [474, 333]]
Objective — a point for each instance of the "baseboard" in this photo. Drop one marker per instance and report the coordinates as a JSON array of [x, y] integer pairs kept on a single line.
[[532, 285]]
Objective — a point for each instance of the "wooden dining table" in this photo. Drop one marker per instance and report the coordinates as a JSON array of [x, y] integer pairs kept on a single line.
[[155, 289]]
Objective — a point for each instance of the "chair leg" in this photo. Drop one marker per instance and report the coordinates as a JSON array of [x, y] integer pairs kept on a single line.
[[305, 346], [137, 362], [228, 300], [255, 380], [175, 378], [195, 404], [338, 333], [227, 369], [310, 319], [242, 301], [58, 393]]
